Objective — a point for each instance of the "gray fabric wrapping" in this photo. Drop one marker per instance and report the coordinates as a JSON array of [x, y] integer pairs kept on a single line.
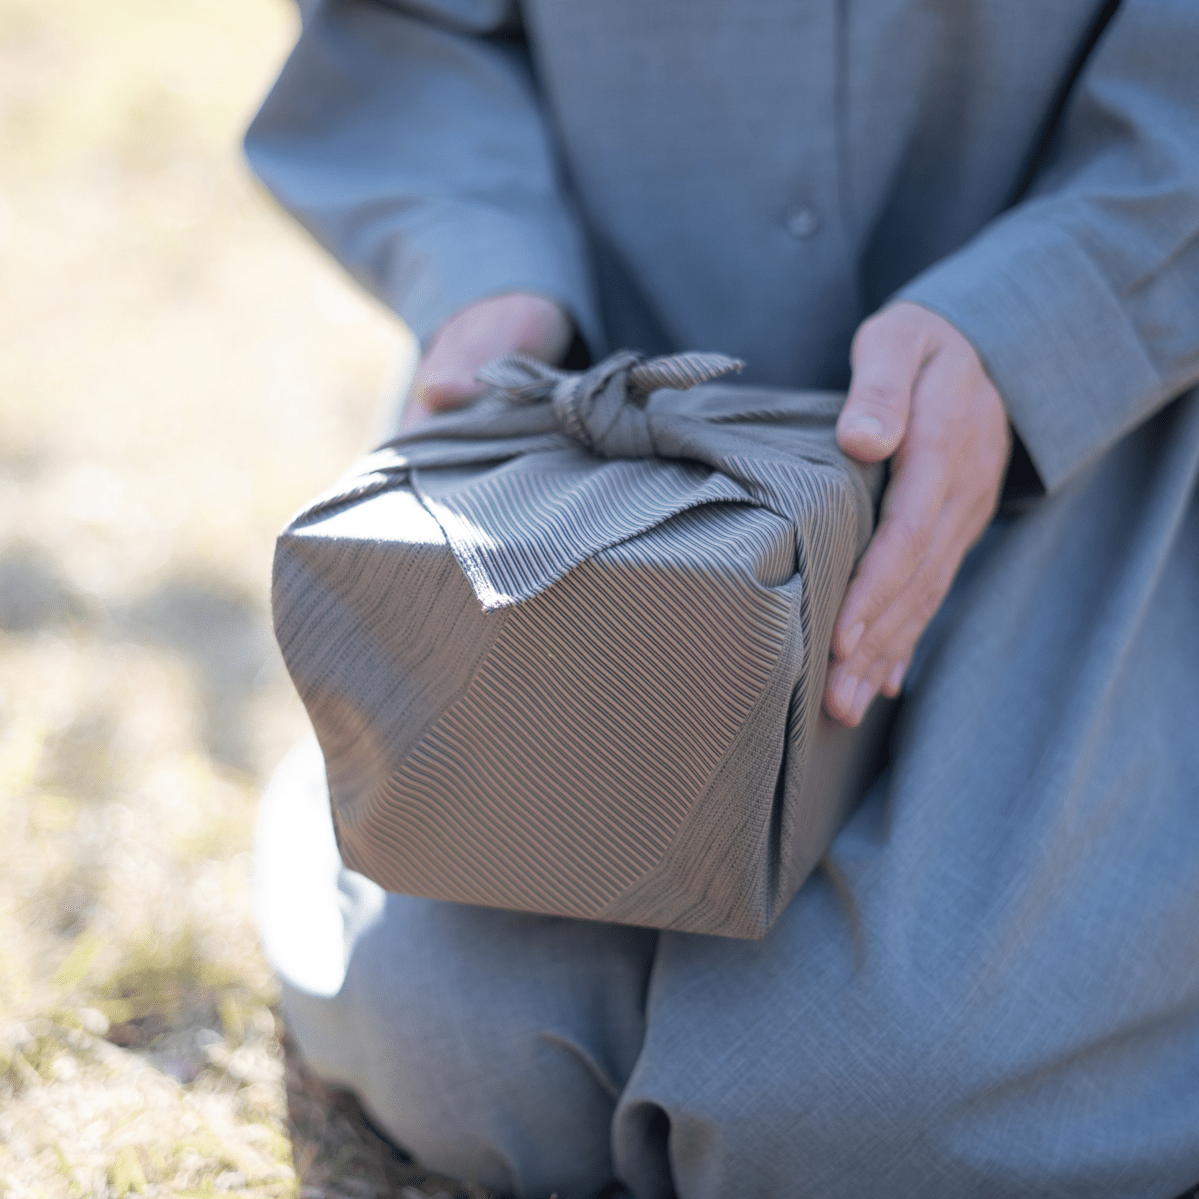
[[549, 680]]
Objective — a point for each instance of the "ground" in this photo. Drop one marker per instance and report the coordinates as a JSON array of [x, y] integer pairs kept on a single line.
[[181, 369]]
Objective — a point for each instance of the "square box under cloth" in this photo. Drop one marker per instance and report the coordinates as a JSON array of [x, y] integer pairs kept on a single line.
[[553, 680]]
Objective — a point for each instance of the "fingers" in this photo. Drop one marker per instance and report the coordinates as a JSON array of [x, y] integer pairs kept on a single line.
[[945, 483], [516, 322], [886, 359], [898, 550], [884, 649]]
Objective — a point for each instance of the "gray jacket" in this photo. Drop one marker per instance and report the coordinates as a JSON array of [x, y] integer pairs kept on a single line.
[[757, 177]]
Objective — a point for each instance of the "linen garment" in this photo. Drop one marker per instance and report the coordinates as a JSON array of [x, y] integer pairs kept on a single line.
[[991, 985]]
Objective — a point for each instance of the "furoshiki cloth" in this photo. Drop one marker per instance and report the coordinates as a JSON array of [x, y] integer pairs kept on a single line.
[[564, 651]]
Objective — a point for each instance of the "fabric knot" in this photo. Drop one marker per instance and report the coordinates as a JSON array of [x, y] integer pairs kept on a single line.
[[603, 408]]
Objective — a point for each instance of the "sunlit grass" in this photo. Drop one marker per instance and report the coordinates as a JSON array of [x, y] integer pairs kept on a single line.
[[180, 370]]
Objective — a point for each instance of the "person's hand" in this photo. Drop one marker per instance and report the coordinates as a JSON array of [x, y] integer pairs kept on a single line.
[[513, 323], [920, 395]]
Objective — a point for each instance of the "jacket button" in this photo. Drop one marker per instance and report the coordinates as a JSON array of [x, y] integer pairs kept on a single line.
[[802, 221]]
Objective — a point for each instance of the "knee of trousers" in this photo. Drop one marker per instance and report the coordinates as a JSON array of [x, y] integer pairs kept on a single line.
[[786, 1102], [782, 1103], [492, 1045], [796, 1083]]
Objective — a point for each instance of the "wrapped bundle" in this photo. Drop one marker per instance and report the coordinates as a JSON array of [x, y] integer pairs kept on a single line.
[[564, 651]]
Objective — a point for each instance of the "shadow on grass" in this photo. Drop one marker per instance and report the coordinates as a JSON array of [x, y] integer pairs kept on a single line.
[[34, 593], [222, 633], [219, 631]]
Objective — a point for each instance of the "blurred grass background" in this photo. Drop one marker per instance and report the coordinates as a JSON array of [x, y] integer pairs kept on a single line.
[[179, 369]]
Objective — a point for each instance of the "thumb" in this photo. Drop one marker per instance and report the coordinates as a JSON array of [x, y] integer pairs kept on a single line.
[[887, 358], [445, 377], [443, 395], [489, 328]]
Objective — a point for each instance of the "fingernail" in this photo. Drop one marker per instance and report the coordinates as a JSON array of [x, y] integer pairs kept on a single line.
[[895, 678], [845, 693], [862, 701], [864, 426], [853, 637]]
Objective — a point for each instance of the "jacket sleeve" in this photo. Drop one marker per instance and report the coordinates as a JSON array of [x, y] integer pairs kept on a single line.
[[407, 137], [1083, 301]]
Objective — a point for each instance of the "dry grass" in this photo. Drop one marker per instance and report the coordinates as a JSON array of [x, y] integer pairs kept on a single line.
[[180, 369]]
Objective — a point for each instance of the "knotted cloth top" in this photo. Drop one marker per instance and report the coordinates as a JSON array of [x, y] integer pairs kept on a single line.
[[551, 467], [603, 408]]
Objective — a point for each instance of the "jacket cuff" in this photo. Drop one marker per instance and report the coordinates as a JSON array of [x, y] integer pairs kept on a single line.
[[1052, 335], [462, 258]]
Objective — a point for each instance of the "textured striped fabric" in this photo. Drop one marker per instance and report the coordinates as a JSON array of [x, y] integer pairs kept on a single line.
[[564, 651]]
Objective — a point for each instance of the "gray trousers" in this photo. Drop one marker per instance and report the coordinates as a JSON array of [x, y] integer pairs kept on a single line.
[[990, 987]]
